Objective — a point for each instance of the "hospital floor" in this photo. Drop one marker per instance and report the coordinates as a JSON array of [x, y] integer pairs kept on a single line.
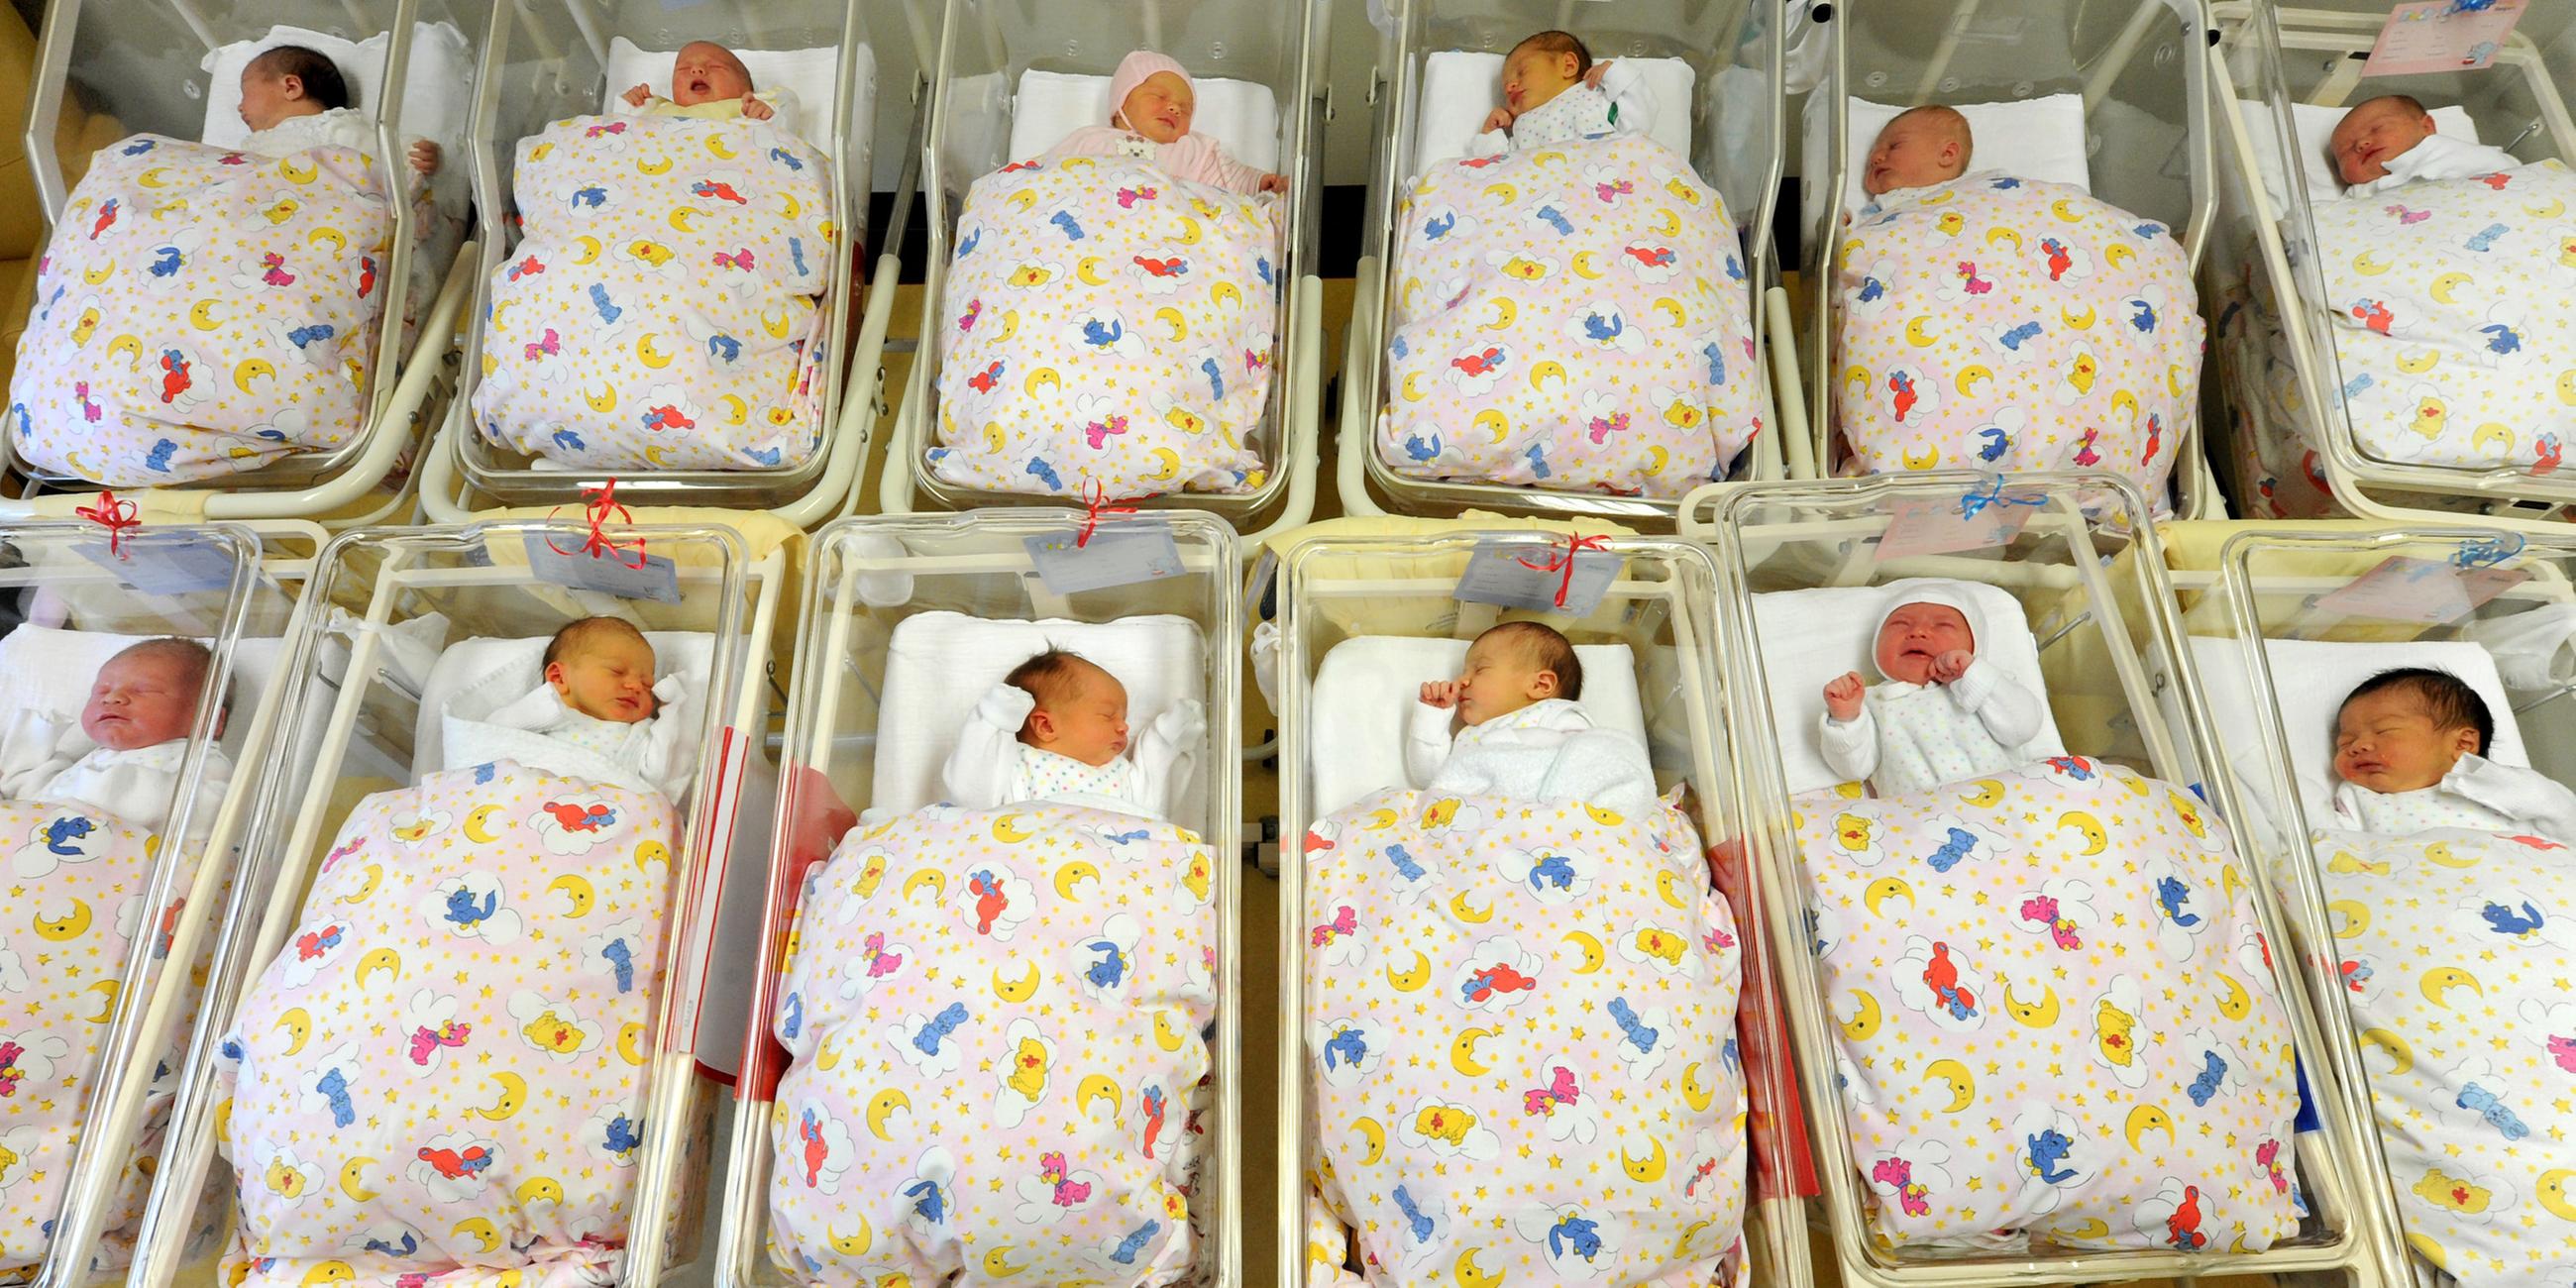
[[1258, 924]]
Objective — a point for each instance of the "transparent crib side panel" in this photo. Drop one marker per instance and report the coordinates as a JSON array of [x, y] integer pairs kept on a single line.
[[380, 651], [876, 583]]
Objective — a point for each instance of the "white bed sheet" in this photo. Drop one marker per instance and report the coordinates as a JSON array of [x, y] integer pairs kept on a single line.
[[2036, 138], [809, 74], [475, 677], [940, 664], [432, 106], [1242, 115], [2312, 677], [1367, 687], [1461, 87], [1811, 636]]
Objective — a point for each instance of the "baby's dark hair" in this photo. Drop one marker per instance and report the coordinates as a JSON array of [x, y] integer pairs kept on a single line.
[[322, 80], [578, 634], [1050, 676], [2446, 697], [1547, 650], [1558, 42]]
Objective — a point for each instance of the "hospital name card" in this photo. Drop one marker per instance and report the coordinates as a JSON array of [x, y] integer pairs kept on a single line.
[[2404, 588], [1115, 555], [626, 571], [1534, 576]]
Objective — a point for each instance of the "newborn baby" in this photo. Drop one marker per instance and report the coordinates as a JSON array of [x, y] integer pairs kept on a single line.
[[600, 699], [295, 99], [709, 83], [1941, 714], [1519, 732], [124, 755], [2389, 141], [1921, 147], [1153, 102], [1553, 92], [1055, 729], [2410, 755]]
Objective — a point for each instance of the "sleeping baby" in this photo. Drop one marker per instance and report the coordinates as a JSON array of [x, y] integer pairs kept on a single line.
[[1940, 714], [1154, 102], [294, 99], [1922, 146], [1055, 729], [1553, 92], [709, 83], [2410, 755], [600, 699], [2389, 141], [124, 755], [1519, 732]]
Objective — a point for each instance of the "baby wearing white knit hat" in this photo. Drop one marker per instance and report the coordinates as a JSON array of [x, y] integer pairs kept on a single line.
[[1939, 715]]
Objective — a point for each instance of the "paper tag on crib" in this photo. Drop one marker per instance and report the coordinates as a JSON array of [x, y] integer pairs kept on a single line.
[[1528, 574], [2433, 36], [165, 563], [1117, 555], [2404, 588], [1941, 527], [617, 573]]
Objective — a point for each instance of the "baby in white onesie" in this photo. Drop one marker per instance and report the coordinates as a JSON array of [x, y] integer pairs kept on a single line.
[[1941, 714], [295, 99], [1518, 731], [2389, 141], [2409, 756], [124, 755], [1553, 93], [1055, 729], [600, 698]]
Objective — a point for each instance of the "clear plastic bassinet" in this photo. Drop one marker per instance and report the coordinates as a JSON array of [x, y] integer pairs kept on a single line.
[[546, 63], [1731, 50], [2291, 445], [145, 64], [938, 587], [398, 621], [2114, 668], [72, 604], [1341, 589], [993, 56], [2138, 84]]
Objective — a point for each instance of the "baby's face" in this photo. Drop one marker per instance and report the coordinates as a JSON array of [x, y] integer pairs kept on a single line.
[[1532, 76], [267, 99], [2389, 742], [1088, 722], [706, 72], [1160, 109], [1915, 634], [609, 678], [139, 702], [1499, 679], [2373, 134], [1912, 152]]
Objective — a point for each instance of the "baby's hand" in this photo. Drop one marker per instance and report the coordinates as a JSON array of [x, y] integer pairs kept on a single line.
[[1843, 695], [1441, 693], [425, 157], [755, 110], [1498, 119], [637, 96], [1593, 77], [1948, 667], [1274, 183]]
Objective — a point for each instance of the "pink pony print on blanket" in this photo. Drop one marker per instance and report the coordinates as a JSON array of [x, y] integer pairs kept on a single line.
[[2061, 930], [1541, 1101], [1898, 1175], [1969, 280], [1345, 922], [1052, 1170]]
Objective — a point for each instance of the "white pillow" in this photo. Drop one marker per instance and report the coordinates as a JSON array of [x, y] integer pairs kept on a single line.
[[433, 106], [476, 677], [2033, 138], [1367, 687], [809, 74], [939, 665], [1461, 87], [2311, 677], [1809, 637], [1242, 115]]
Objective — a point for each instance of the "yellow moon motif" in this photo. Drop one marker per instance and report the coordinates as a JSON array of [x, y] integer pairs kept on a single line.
[[1409, 980], [1969, 378], [514, 1093], [1918, 332], [2368, 265], [1988, 794], [1175, 319], [1665, 881], [1098, 1087], [481, 1231], [2080, 321], [107, 990], [2038, 1015], [650, 355], [1591, 950], [1008, 831], [1464, 1270], [1955, 1077], [849, 1245], [2087, 826], [201, 315], [384, 959], [2442, 979], [680, 216], [1693, 1094], [603, 402], [1375, 1137], [883, 1106], [997, 1263], [298, 1028], [630, 1044], [537, 1190], [478, 827], [2065, 209], [1931, 456], [1584, 268], [1645, 1170], [1017, 990], [931, 877], [1459, 907], [1167, 465], [2401, 1057], [1999, 236], [2447, 283], [577, 892], [1885, 888], [1462, 1052], [1493, 421], [71, 925], [2355, 915], [1165, 1036], [2235, 1003], [1540, 373], [1863, 1025], [2552, 1193], [2144, 1119], [2440, 852], [353, 1179], [1072, 875], [2118, 254]]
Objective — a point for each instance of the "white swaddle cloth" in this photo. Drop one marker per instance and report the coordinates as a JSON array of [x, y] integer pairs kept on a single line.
[[2478, 794], [46, 759], [1546, 751], [338, 127], [2437, 157], [540, 732]]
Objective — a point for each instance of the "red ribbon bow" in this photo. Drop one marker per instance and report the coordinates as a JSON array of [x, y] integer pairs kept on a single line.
[[115, 516], [1094, 506], [1563, 560], [602, 506]]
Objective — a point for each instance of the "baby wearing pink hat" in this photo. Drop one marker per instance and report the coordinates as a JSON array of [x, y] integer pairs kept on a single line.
[[1154, 104]]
